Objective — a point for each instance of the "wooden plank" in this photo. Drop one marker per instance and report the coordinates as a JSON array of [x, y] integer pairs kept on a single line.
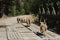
[[30, 36], [23, 30], [3, 34], [10, 21], [2, 29], [17, 33], [56, 36], [20, 29], [33, 29], [18, 25], [12, 33], [14, 36]]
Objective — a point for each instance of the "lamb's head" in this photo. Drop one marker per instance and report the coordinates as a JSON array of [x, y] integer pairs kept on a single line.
[[42, 23]]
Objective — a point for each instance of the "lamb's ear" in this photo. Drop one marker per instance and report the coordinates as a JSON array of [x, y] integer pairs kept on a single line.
[[37, 15], [44, 21]]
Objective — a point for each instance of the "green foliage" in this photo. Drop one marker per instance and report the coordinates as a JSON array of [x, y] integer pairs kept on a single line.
[[22, 12], [17, 7], [27, 7]]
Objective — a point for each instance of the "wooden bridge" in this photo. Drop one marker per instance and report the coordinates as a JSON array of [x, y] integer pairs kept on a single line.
[[11, 30]]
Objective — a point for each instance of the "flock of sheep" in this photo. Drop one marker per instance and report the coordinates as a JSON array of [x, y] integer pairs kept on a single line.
[[29, 19]]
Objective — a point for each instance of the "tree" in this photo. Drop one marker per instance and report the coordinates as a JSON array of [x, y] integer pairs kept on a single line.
[[18, 7]]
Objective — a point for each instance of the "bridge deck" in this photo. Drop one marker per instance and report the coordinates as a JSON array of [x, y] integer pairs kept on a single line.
[[15, 31]]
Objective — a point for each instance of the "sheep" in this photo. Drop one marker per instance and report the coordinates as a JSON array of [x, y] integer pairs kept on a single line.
[[43, 27]]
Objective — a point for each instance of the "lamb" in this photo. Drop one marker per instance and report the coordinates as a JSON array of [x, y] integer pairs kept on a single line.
[[43, 27]]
